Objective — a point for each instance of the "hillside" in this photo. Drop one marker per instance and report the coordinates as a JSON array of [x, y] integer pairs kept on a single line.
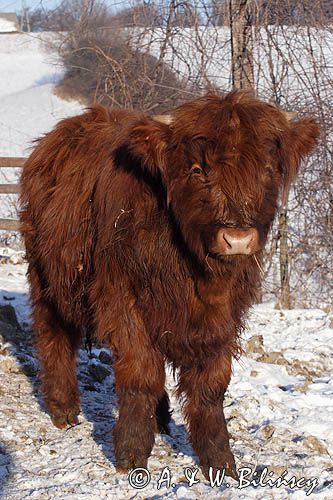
[[28, 106]]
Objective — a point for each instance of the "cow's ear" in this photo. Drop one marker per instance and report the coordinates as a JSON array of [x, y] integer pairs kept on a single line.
[[297, 141], [148, 141]]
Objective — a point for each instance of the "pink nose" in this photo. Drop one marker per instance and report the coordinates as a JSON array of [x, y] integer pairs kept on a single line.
[[237, 241]]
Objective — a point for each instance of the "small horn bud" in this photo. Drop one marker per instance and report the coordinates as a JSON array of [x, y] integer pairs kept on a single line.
[[290, 115], [166, 119]]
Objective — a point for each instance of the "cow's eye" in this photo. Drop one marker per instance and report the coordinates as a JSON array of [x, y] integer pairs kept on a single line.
[[196, 169]]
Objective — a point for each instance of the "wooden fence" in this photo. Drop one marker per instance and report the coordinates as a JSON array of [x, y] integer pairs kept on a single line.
[[10, 224]]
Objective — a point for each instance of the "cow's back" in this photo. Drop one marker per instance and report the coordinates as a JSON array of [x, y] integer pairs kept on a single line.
[[57, 191]]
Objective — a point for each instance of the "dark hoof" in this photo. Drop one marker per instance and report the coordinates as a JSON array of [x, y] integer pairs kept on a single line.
[[163, 415], [133, 462], [225, 461], [164, 429], [65, 420]]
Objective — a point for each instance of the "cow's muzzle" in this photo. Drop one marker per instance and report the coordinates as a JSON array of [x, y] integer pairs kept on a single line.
[[231, 241]]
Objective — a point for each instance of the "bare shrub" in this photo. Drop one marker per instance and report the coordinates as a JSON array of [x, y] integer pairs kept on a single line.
[[106, 64]]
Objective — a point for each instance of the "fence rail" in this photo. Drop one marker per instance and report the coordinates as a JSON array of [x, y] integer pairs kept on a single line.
[[9, 188], [10, 162], [10, 224]]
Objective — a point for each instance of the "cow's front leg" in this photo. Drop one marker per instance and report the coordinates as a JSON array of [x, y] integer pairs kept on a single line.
[[140, 378], [140, 383], [134, 433], [204, 390]]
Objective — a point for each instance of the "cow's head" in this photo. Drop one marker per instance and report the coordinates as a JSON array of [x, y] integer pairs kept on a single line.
[[224, 161]]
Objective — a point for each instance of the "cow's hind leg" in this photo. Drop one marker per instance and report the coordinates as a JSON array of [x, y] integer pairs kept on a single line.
[[56, 344], [204, 390], [56, 340]]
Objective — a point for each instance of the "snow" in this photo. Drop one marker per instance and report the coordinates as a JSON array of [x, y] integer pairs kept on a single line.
[[279, 412], [7, 26], [28, 106]]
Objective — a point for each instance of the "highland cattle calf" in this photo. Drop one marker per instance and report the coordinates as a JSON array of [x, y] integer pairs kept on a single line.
[[148, 233]]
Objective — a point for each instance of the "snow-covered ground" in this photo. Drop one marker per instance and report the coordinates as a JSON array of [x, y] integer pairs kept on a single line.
[[279, 410], [28, 105], [7, 26]]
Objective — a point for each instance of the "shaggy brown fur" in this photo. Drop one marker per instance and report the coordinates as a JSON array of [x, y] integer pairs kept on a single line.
[[127, 223]]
